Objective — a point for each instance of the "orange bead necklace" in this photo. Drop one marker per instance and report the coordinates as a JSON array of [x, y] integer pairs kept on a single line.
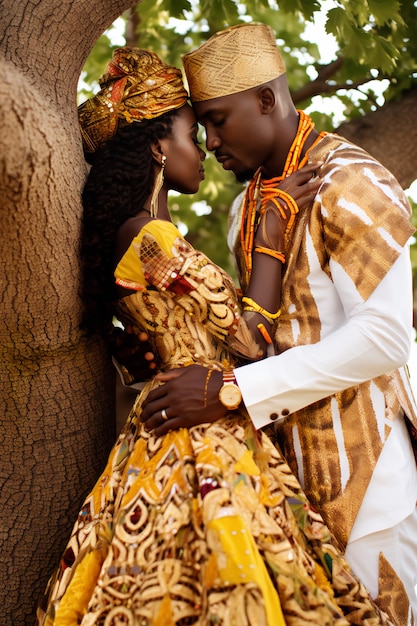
[[260, 192]]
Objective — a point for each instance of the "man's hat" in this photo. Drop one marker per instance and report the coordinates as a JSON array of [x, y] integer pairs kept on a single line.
[[233, 60]]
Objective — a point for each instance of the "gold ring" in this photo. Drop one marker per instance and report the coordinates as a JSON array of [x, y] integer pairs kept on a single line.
[[164, 415]]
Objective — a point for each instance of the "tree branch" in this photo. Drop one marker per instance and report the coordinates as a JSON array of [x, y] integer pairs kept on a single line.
[[320, 84], [323, 85]]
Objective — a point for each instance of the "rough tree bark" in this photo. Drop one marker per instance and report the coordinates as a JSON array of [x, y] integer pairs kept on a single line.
[[390, 135], [56, 403]]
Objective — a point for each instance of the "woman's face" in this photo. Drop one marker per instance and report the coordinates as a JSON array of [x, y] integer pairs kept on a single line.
[[184, 168]]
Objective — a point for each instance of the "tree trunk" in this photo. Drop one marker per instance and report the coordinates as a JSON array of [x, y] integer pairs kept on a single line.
[[390, 135], [57, 413]]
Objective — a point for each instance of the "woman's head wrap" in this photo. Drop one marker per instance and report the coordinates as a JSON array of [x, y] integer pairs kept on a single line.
[[137, 85], [233, 60]]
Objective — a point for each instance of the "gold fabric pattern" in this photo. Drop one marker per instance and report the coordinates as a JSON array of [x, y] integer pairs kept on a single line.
[[199, 296], [233, 60], [164, 558], [392, 594], [329, 230], [206, 525], [336, 213], [137, 85]]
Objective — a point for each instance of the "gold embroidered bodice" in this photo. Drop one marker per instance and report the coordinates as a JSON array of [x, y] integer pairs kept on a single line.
[[188, 305]]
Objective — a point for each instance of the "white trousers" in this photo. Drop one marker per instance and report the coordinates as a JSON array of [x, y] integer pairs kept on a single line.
[[399, 546]]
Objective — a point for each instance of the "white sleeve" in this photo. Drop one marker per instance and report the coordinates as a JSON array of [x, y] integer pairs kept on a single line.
[[375, 338]]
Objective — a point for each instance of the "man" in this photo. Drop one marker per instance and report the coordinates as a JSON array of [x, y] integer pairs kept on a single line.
[[336, 389]]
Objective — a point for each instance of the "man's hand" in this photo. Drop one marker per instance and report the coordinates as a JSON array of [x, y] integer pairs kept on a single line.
[[189, 396]]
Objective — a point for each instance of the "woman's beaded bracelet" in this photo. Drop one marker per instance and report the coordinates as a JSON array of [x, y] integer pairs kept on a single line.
[[254, 306], [274, 253]]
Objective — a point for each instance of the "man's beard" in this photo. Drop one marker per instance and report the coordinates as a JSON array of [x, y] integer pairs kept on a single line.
[[244, 176]]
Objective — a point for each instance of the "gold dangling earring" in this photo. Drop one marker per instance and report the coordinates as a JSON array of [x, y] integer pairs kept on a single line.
[[159, 181]]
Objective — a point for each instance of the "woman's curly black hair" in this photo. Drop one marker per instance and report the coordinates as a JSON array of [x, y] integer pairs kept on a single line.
[[119, 182]]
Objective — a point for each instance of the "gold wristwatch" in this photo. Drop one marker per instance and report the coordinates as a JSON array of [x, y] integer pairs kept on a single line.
[[230, 395]]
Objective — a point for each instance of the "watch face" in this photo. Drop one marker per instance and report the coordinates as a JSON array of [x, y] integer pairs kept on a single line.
[[230, 396]]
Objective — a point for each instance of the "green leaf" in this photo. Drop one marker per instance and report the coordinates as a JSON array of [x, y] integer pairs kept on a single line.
[[177, 8], [337, 23], [219, 13], [385, 11], [305, 7], [357, 12], [382, 55]]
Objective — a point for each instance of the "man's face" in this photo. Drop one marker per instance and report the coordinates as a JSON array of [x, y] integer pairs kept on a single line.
[[237, 131]]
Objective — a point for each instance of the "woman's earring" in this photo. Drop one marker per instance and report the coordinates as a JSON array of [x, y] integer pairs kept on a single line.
[[159, 181]]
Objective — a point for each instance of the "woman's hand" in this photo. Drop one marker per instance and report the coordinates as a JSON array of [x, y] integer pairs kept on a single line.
[[134, 352], [302, 186], [188, 397]]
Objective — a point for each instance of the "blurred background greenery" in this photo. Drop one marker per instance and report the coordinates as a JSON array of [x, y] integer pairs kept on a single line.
[[344, 58]]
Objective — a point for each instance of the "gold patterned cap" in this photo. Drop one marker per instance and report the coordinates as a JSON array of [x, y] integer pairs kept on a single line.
[[233, 60], [137, 85]]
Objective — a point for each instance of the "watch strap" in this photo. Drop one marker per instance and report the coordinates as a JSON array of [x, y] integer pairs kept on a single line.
[[229, 376]]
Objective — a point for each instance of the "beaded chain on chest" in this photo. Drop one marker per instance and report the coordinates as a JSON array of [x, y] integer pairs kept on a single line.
[[260, 192]]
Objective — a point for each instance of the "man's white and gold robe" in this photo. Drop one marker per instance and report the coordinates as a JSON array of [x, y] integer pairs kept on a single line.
[[337, 388]]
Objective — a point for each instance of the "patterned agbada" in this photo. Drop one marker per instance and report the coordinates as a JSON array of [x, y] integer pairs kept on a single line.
[[205, 525], [334, 444], [137, 85]]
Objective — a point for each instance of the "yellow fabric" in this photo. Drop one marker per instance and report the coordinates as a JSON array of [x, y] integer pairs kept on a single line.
[[129, 272], [240, 562], [145, 481], [73, 604], [187, 285], [233, 60], [247, 464], [169, 544], [164, 616]]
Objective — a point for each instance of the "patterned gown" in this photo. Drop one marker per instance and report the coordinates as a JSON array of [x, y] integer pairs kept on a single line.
[[205, 526]]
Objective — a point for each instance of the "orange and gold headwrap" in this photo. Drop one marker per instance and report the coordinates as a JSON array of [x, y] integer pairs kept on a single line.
[[137, 85], [233, 60]]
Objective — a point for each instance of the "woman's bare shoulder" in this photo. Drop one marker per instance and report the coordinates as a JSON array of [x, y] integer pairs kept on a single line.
[[128, 231]]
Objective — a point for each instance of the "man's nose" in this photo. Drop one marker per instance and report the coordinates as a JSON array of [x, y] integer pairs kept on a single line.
[[213, 142]]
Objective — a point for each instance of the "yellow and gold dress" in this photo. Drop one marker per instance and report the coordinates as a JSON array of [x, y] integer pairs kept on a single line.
[[207, 525]]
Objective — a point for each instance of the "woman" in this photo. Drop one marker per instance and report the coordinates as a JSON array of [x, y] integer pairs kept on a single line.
[[206, 525]]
